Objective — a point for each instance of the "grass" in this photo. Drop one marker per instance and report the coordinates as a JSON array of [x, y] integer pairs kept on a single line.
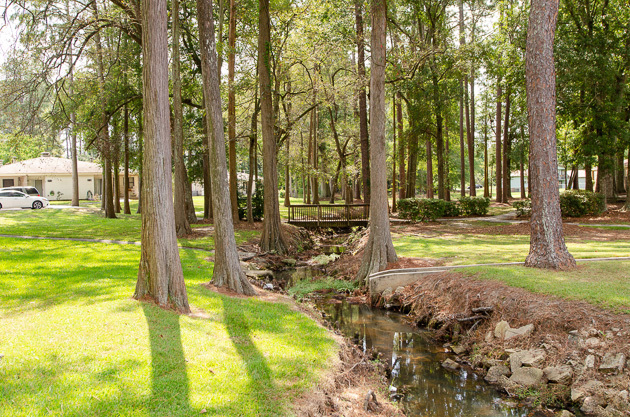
[[464, 249], [90, 224], [76, 344], [606, 283], [301, 288]]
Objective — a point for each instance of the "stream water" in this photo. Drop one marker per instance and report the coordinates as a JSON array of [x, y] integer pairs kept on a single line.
[[423, 387]]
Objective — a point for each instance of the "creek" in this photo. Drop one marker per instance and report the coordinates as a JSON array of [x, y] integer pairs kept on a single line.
[[418, 380]]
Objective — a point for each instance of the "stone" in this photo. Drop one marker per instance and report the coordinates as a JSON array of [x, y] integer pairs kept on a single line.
[[565, 413], [387, 293], [592, 342], [528, 377], [265, 273], [458, 350], [589, 362], [489, 363], [495, 372], [529, 358], [268, 286], [489, 337], [612, 363], [620, 401], [521, 331], [500, 329], [399, 290], [593, 405], [451, 365], [289, 261], [559, 374], [590, 388]]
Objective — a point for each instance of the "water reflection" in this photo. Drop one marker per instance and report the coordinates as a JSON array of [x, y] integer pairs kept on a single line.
[[423, 386]]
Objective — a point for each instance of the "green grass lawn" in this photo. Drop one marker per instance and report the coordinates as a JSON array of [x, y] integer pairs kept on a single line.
[[606, 284], [464, 249], [90, 224], [76, 344]]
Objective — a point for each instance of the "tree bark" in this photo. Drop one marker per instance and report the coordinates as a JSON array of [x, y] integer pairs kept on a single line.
[[73, 135], [506, 150], [547, 246], [363, 122], [253, 142], [207, 183], [232, 111], [429, 169], [394, 208], [401, 150], [499, 164], [462, 156], [140, 158], [272, 238], [182, 227], [127, 208], [227, 266], [160, 273], [470, 141], [379, 249]]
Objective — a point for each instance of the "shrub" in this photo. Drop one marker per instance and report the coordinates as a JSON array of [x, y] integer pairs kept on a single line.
[[257, 203], [426, 209], [577, 203], [523, 207], [477, 206], [573, 203]]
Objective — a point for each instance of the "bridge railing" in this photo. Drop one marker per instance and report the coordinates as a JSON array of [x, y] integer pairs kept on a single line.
[[321, 214]]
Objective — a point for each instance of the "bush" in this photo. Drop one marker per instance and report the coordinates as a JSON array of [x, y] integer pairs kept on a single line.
[[523, 207], [573, 203], [257, 203], [426, 209], [577, 203], [477, 206]]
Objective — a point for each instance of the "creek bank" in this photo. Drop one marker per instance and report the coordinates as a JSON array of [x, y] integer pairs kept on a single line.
[[552, 352]]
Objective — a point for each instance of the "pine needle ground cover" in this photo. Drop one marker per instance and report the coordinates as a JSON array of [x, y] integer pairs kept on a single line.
[[76, 344]]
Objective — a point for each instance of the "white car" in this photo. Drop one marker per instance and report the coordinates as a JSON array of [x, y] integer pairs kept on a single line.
[[17, 199]]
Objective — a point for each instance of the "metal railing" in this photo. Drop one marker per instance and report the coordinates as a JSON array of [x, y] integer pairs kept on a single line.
[[329, 215]]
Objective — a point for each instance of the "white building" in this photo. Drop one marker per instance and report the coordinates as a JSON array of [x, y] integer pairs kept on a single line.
[[53, 177]]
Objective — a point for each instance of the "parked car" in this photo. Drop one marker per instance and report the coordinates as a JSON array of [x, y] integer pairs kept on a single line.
[[24, 189], [17, 199]]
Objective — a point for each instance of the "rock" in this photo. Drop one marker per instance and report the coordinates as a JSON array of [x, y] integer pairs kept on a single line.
[[489, 337], [592, 342], [489, 363], [565, 413], [496, 372], [265, 273], [529, 358], [244, 256], [619, 401], [289, 261], [612, 364], [387, 293], [589, 362], [451, 365], [528, 377], [521, 331], [500, 329], [399, 290], [268, 286], [458, 350], [559, 374], [590, 388], [593, 405]]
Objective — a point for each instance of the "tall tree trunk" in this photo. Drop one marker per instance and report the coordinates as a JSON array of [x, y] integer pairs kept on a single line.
[[588, 171], [103, 133], [439, 138], [116, 169], [379, 249], [499, 164], [401, 149], [315, 178], [363, 122], [447, 162], [207, 183], [253, 143], [486, 176], [160, 273], [272, 238], [232, 111], [522, 167], [287, 174], [412, 161], [73, 134], [127, 208], [547, 247], [506, 150], [182, 227], [462, 156], [394, 208], [140, 158], [620, 173], [429, 169], [470, 141], [227, 266]]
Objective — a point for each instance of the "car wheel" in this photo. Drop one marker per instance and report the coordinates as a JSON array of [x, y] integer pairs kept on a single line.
[[37, 204]]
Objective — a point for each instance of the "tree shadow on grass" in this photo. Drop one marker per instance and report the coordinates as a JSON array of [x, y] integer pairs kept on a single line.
[[169, 380], [261, 386]]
